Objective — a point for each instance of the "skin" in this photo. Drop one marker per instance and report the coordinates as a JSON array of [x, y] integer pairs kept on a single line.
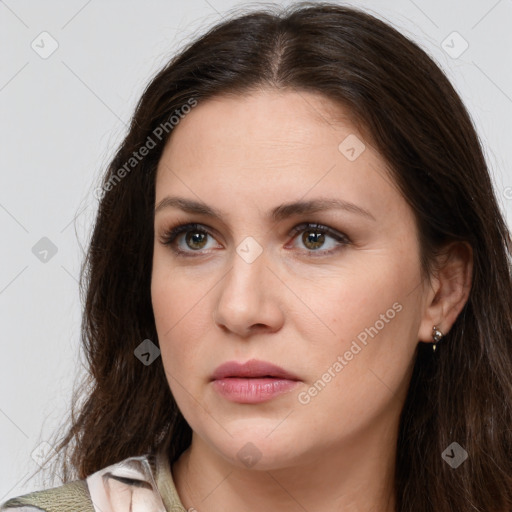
[[246, 155]]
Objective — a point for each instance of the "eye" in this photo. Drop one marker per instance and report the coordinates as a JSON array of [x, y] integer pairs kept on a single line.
[[187, 239], [195, 238], [314, 238]]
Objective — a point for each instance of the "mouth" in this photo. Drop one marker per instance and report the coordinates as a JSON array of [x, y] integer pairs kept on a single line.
[[252, 382]]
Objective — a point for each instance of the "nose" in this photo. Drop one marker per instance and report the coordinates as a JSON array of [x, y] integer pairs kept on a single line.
[[248, 298]]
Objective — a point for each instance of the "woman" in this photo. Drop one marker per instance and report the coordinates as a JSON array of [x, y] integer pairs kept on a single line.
[[298, 286]]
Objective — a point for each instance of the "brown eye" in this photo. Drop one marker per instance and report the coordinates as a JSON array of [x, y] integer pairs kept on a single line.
[[320, 240], [196, 239], [313, 239]]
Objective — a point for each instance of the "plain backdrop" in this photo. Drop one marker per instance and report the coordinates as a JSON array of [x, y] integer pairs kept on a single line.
[[71, 73]]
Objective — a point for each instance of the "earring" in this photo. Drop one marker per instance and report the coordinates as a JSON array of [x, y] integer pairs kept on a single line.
[[437, 335]]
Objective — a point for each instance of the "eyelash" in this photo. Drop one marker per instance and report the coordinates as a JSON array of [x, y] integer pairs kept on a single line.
[[169, 238]]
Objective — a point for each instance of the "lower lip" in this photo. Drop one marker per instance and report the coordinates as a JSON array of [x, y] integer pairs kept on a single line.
[[252, 391]]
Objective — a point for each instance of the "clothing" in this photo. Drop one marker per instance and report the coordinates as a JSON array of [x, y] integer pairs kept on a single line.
[[136, 484]]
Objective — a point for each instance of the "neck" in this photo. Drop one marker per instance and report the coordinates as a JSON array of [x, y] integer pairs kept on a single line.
[[357, 476]]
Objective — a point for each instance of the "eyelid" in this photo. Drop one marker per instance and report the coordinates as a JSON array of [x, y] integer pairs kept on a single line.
[[337, 235]]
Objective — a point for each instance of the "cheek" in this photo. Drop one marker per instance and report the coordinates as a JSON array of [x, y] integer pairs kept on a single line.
[[345, 302], [370, 306], [174, 295], [358, 372], [182, 321]]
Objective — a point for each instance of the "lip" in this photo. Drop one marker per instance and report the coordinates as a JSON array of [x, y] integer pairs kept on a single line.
[[253, 368], [252, 382]]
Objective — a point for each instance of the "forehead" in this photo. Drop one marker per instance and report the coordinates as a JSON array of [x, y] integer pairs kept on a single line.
[[269, 146], [260, 121]]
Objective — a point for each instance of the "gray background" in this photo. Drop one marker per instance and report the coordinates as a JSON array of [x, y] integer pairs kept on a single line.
[[61, 119]]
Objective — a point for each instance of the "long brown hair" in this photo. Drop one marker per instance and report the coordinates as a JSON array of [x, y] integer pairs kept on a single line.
[[406, 106]]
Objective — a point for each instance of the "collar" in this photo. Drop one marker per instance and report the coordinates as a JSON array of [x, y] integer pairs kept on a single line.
[[165, 484], [136, 484]]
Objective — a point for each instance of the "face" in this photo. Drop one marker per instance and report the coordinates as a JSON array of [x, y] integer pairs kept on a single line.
[[332, 295]]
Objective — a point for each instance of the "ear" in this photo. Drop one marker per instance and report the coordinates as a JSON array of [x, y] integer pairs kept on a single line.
[[448, 291]]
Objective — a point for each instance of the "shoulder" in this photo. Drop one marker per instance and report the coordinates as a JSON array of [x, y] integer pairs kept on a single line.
[[126, 486], [73, 494]]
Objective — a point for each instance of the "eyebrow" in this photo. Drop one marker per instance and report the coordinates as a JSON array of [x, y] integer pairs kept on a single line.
[[277, 214]]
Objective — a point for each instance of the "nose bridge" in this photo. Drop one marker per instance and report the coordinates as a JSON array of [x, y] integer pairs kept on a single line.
[[247, 274], [245, 296]]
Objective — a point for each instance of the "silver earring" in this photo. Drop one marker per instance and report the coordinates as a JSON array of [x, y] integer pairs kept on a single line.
[[437, 335]]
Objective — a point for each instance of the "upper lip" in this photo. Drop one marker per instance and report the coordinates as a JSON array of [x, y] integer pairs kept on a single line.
[[253, 368]]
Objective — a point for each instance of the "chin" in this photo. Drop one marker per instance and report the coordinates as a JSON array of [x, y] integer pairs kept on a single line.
[[255, 449]]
